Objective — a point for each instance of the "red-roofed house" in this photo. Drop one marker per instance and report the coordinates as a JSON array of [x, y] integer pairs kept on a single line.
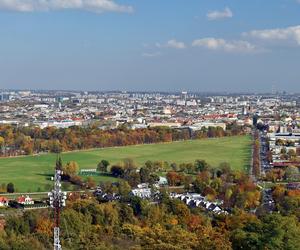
[[3, 202], [25, 200]]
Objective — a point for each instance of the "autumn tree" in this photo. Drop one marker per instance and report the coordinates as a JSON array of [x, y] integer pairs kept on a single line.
[[2, 141], [174, 179], [76, 180], [44, 226], [71, 169], [55, 146], [298, 151], [292, 154], [90, 183]]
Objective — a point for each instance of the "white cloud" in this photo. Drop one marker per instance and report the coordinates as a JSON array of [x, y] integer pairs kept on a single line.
[[175, 44], [217, 15], [154, 54], [97, 6], [289, 34], [228, 46], [172, 44]]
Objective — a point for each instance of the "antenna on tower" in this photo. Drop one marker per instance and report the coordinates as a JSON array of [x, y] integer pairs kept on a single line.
[[57, 201]]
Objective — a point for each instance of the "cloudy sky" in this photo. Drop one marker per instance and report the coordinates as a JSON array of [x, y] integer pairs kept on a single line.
[[207, 45]]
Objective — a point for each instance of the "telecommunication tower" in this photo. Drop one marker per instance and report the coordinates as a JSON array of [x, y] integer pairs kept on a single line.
[[57, 202]]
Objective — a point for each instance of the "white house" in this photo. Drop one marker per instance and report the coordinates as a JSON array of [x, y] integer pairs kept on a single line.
[[142, 192], [25, 200]]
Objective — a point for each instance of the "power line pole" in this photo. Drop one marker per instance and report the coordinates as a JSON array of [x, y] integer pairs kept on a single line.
[[57, 201]]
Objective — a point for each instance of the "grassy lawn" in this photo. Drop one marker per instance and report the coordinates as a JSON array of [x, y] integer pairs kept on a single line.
[[32, 172]]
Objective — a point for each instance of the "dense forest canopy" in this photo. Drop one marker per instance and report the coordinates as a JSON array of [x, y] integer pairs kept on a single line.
[[138, 224]]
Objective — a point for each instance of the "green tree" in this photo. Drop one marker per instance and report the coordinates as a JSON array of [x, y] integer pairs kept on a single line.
[[117, 171], [126, 213], [145, 175], [138, 205], [291, 173], [103, 166], [281, 232], [201, 165], [150, 165], [10, 188], [124, 188], [174, 167]]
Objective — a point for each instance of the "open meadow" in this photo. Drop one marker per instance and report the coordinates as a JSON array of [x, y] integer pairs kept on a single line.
[[32, 173]]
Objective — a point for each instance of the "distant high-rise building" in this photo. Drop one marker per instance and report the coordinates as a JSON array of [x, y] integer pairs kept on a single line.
[[4, 97], [184, 95]]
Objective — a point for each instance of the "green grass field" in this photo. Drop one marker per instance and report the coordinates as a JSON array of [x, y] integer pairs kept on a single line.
[[32, 172]]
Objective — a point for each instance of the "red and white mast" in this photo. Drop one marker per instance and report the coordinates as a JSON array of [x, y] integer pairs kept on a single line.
[[57, 201]]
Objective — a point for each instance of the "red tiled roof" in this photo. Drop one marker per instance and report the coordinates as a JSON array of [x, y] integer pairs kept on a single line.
[[3, 199], [21, 199], [218, 116]]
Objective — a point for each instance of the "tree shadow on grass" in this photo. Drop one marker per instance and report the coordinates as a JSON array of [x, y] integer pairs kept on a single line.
[[48, 176]]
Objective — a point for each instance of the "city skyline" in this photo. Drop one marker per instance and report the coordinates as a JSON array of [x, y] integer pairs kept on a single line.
[[272, 92], [207, 46]]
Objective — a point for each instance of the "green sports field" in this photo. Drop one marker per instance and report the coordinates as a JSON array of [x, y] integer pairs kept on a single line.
[[31, 173]]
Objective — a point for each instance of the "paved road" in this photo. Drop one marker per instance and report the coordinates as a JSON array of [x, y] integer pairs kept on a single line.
[[20, 194], [267, 199], [265, 165], [42, 193]]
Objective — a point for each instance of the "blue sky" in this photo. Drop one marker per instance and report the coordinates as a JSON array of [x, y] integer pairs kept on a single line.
[[168, 45]]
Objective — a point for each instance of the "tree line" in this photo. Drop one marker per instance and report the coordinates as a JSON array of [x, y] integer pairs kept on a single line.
[[33, 140], [256, 164]]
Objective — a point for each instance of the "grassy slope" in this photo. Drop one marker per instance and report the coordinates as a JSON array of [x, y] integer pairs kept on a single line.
[[29, 173]]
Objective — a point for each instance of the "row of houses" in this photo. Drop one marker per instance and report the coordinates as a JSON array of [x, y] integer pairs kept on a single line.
[[22, 200], [143, 191], [197, 200], [283, 142]]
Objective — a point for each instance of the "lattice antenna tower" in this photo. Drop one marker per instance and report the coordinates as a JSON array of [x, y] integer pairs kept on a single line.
[[57, 202]]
